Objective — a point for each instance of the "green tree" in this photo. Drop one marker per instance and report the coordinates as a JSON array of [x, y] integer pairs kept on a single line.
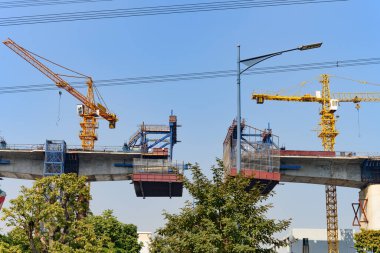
[[118, 237], [226, 216], [49, 210], [367, 241], [14, 241], [10, 244], [54, 216]]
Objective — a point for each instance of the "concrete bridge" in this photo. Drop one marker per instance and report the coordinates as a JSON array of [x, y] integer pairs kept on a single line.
[[296, 167], [151, 173], [118, 165]]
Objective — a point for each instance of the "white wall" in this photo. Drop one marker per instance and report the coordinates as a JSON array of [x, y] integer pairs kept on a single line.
[[144, 237]]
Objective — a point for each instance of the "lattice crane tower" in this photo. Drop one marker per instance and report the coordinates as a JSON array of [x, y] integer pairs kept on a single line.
[[328, 133]]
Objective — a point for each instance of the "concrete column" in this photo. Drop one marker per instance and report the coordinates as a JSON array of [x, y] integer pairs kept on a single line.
[[370, 200]]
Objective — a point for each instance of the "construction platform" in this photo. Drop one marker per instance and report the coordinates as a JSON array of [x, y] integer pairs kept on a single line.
[[260, 160], [264, 162]]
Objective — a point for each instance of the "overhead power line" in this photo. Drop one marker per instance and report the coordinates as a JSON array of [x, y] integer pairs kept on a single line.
[[154, 10], [35, 3], [196, 75]]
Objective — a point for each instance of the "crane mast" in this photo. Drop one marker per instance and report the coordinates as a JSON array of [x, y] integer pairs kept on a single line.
[[328, 133], [89, 111]]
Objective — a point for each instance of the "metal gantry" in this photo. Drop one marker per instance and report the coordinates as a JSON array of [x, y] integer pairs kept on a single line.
[[154, 137]]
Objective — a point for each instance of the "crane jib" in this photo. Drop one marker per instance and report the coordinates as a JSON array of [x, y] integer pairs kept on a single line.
[[88, 113]]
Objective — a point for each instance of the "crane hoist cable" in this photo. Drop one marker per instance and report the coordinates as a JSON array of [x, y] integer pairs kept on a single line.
[[357, 106], [59, 107]]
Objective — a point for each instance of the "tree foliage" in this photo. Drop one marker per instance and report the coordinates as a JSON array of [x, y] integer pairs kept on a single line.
[[226, 216], [118, 237], [54, 216], [367, 241], [49, 211]]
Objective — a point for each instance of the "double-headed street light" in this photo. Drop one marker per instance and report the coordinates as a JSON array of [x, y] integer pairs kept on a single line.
[[250, 63]]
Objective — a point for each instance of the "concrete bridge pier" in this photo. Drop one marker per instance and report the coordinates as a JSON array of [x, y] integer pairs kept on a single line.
[[369, 202]]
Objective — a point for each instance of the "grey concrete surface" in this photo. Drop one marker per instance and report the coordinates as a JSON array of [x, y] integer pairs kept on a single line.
[[99, 166], [339, 171]]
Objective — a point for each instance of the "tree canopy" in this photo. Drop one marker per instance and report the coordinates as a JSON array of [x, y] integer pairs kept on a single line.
[[225, 216], [123, 237], [53, 216], [367, 241]]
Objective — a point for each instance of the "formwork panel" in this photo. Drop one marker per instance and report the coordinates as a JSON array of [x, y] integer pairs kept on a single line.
[[157, 178]]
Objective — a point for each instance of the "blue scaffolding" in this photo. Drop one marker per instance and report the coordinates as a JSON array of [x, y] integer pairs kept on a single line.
[[55, 152]]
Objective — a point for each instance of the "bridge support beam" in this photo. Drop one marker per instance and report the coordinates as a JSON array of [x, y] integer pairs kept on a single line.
[[370, 215]]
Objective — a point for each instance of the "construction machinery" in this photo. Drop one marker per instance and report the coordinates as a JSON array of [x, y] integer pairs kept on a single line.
[[154, 138], [328, 133], [89, 110]]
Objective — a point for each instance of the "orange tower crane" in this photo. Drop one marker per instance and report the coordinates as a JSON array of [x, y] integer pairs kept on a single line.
[[89, 110], [328, 133]]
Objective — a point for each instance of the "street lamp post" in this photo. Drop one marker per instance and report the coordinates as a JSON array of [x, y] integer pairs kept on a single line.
[[250, 62]]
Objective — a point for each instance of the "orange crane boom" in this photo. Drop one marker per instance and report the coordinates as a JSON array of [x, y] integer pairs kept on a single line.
[[91, 109]]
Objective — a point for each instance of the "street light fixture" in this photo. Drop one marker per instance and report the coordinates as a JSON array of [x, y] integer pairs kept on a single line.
[[250, 62]]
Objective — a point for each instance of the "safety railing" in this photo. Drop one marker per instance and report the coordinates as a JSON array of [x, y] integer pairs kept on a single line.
[[24, 147], [340, 154], [158, 166], [155, 128]]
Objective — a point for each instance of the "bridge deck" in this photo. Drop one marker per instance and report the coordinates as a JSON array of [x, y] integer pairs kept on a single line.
[[105, 166], [340, 171]]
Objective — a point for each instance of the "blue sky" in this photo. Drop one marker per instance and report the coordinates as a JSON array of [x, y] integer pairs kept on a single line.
[[195, 42]]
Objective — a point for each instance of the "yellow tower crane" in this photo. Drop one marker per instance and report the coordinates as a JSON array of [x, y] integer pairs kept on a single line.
[[328, 133], [89, 110]]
